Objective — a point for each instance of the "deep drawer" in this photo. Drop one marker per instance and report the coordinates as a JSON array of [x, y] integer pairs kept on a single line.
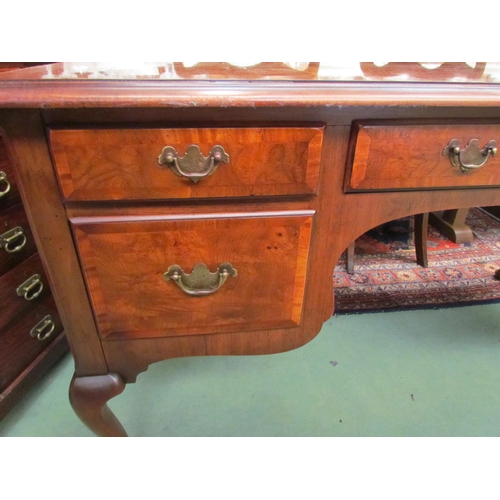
[[387, 156], [124, 264], [123, 164]]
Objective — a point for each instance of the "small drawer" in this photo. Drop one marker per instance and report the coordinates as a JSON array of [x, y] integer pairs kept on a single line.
[[16, 240], [194, 275], [395, 156], [20, 343], [157, 164], [22, 288]]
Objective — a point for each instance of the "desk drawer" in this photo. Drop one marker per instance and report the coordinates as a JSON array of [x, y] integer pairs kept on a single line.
[[124, 164], [124, 264], [397, 157]]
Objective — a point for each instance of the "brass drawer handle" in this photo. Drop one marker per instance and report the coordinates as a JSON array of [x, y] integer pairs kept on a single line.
[[471, 157], [193, 165], [31, 288], [201, 281], [9, 238], [4, 180], [44, 328]]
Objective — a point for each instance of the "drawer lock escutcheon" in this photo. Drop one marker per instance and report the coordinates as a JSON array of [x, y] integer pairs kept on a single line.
[[193, 165], [31, 288], [4, 184], [43, 329], [13, 240], [201, 281], [471, 157]]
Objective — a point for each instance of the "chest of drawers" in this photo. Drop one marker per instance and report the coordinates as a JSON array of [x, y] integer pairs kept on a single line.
[[180, 222], [31, 337]]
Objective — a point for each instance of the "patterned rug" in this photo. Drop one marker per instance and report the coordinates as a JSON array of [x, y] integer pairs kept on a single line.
[[387, 278]]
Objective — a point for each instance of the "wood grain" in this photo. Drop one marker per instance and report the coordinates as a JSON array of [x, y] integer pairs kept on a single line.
[[122, 164], [339, 219], [124, 264], [396, 156]]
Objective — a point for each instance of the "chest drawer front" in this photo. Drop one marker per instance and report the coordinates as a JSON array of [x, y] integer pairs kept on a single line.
[[9, 193], [16, 239], [125, 264], [19, 346], [29, 273], [399, 157], [123, 164]]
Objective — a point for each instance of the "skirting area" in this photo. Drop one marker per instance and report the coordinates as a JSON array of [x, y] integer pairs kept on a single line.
[[388, 278]]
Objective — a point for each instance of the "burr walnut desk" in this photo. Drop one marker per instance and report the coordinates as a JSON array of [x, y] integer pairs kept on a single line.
[[200, 210]]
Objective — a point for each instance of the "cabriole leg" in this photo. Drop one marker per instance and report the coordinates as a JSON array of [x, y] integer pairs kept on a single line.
[[89, 396]]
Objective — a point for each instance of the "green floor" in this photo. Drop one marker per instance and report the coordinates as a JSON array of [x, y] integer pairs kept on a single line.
[[418, 373]]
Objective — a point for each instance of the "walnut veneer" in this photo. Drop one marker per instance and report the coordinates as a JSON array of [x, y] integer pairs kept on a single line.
[[314, 161]]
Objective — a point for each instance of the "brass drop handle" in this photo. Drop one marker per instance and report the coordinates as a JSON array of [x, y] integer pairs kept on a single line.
[[4, 183], [193, 165], [201, 281], [471, 157], [31, 288], [13, 240], [44, 328]]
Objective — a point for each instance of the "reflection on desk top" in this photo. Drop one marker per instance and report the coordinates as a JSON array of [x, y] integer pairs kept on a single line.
[[292, 71], [151, 84]]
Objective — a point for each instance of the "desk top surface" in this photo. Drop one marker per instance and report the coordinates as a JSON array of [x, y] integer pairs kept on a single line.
[[251, 84]]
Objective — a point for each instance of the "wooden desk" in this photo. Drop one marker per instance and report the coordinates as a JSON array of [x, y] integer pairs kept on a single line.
[[154, 253]]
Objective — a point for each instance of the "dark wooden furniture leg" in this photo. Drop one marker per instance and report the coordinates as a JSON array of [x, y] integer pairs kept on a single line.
[[421, 225], [88, 397], [350, 258], [451, 223]]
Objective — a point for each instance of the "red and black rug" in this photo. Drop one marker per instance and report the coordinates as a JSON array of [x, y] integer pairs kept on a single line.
[[387, 278]]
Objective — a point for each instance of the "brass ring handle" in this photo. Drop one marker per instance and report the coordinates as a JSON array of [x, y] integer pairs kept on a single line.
[[31, 288], [4, 180], [201, 281], [9, 238], [193, 165], [44, 328], [471, 157]]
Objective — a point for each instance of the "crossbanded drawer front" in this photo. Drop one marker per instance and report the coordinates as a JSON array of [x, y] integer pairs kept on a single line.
[[125, 263], [395, 156], [156, 164]]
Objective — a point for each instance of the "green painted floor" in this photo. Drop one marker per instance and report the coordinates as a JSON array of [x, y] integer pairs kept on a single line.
[[417, 373]]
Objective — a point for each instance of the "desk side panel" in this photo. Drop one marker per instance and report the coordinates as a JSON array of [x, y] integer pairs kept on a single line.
[[27, 148]]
